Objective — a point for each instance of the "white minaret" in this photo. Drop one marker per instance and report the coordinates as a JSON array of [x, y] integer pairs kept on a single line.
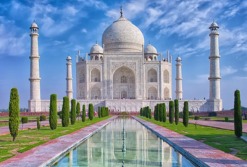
[[215, 102], [34, 102], [69, 88], [179, 86]]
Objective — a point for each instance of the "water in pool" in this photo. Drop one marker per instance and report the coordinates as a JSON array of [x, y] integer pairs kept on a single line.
[[123, 142]]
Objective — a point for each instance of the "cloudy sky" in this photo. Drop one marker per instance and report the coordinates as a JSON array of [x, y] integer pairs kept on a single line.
[[67, 26]]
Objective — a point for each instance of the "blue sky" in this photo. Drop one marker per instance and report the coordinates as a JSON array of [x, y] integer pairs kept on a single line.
[[67, 26]]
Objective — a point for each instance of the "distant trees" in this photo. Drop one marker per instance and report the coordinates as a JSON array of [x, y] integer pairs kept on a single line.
[[186, 114], [160, 112], [146, 112], [171, 112], [65, 112], [53, 112], [78, 110], [83, 115], [237, 114], [14, 113], [176, 111], [103, 112], [91, 111], [73, 112]]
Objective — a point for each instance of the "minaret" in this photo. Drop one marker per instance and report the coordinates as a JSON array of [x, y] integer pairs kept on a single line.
[[34, 102], [215, 102], [179, 86], [69, 88]]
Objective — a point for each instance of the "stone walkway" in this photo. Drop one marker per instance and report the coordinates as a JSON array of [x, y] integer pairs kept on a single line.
[[218, 124], [44, 154], [31, 125], [199, 153]]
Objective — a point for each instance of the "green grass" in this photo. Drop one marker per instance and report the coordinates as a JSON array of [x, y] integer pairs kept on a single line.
[[28, 139], [224, 140]]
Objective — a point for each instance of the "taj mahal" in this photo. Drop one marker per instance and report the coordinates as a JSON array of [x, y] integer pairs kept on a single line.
[[124, 74]]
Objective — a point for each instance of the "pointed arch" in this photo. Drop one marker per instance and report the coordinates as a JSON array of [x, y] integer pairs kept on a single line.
[[166, 76], [95, 93], [152, 75], [152, 93], [95, 75], [166, 94]]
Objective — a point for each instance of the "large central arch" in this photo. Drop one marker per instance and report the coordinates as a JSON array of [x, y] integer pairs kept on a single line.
[[124, 83]]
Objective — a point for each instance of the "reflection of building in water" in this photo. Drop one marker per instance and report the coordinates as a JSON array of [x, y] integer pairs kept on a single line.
[[142, 148]]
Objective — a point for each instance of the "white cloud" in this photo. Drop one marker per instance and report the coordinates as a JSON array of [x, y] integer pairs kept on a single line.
[[84, 30], [228, 70]]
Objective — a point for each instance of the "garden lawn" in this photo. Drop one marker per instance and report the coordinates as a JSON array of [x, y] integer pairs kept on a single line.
[[224, 140], [27, 139]]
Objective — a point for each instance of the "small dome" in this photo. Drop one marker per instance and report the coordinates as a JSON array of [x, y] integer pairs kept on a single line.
[[34, 25], [214, 25], [178, 59], [150, 49], [69, 58], [123, 36], [96, 49]]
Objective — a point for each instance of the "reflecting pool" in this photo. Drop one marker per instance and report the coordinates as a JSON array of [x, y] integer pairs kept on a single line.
[[123, 142]]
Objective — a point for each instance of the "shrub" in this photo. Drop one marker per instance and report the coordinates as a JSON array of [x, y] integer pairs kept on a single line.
[[212, 114], [73, 112], [196, 117], [78, 110], [38, 123], [171, 112], [14, 113], [53, 112], [237, 114], [226, 119], [42, 118], [83, 115], [24, 120], [186, 114], [65, 112], [99, 112], [91, 111], [176, 111], [163, 107], [59, 114]]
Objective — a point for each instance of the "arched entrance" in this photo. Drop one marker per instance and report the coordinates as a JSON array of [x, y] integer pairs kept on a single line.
[[124, 83]]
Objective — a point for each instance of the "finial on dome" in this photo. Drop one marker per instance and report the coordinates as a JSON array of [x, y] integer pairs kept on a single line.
[[121, 11]]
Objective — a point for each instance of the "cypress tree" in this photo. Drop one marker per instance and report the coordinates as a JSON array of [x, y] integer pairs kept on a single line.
[[237, 114], [99, 112], [65, 112], [78, 110], [53, 112], [73, 112], [14, 113], [150, 113], [91, 111], [38, 123], [141, 112], [186, 114], [171, 112], [160, 112], [164, 112], [83, 115], [176, 111]]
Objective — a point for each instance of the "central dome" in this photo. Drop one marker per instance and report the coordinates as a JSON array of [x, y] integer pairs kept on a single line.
[[123, 36]]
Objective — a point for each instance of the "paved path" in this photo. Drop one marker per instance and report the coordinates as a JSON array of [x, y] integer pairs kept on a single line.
[[31, 125], [218, 124], [44, 154], [198, 152]]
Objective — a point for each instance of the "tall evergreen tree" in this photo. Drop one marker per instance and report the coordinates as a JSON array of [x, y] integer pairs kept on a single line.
[[78, 110], [186, 114], [65, 112], [53, 112], [164, 111], [73, 112], [14, 113], [171, 112], [83, 115], [238, 127], [91, 111], [176, 111], [99, 112]]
